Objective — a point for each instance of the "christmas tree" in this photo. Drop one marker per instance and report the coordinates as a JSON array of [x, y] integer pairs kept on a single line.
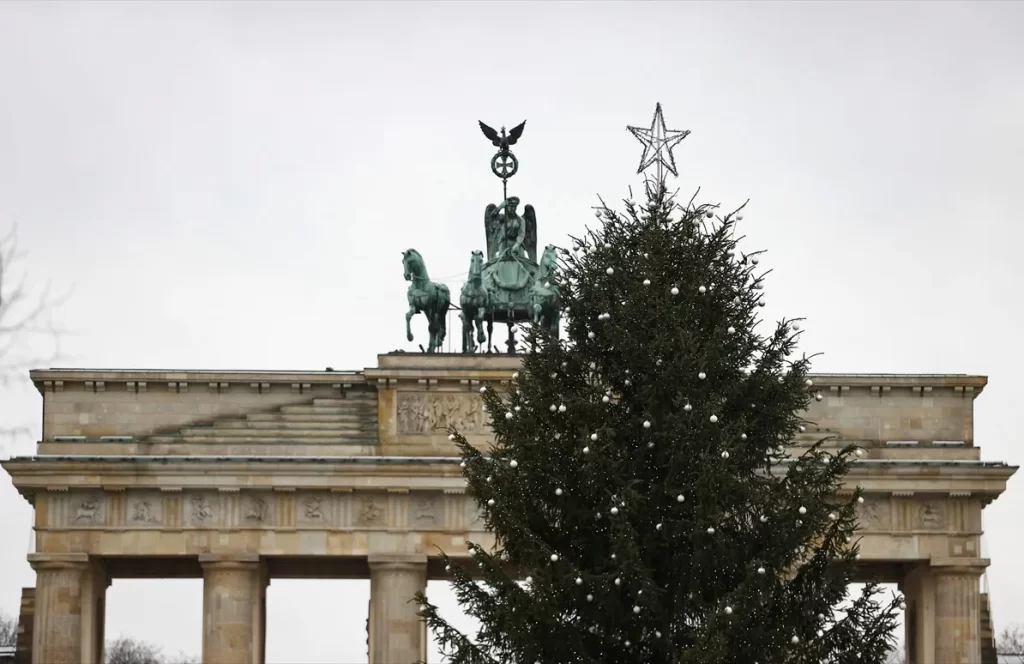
[[645, 498]]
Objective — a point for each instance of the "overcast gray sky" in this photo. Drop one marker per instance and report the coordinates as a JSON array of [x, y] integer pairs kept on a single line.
[[229, 186]]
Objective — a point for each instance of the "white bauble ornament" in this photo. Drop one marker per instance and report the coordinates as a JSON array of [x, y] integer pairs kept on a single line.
[[818, 397], [760, 570], [832, 516], [764, 519], [554, 557], [860, 452], [515, 375], [674, 291], [702, 290], [508, 416], [552, 408], [728, 610], [802, 510], [626, 382], [593, 437], [610, 271], [561, 408], [614, 511], [490, 502], [618, 581], [607, 246], [586, 450], [725, 454], [687, 408], [795, 640], [754, 261], [579, 581], [451, 436], [483, 389], [714, 418], [647, 424], [731, 330], [702, 375], [743, 436], [591, 335], [647, 282], [529, 579], [605, 399], [517, 408], [860, 500], [680, 498], [590, 598], [558, 491], [711, 530], [513, 463], [657, 634], [657, 527], [808, 382], [636, 609]]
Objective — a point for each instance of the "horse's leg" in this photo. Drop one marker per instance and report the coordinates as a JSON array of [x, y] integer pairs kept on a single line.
[[408, 321], [480, 336], [490, 334]]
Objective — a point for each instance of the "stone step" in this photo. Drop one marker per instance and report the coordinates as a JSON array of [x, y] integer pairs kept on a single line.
[[249, 432], [351, 400], [283, 440], [343, 425], [172, 446], [326, 410], [368, 416]]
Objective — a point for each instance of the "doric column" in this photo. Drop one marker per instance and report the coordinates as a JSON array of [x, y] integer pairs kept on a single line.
[[397, 633], [943, 620], [234, 595], [69, 609]]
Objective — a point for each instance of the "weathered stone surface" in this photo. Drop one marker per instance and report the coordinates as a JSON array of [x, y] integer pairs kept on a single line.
[[217, 473]]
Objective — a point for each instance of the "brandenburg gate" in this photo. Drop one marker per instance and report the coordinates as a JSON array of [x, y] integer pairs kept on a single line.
[[243, 477]]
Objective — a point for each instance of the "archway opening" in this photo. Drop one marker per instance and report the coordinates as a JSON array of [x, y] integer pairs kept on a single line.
[[317, 621], [164, 616]]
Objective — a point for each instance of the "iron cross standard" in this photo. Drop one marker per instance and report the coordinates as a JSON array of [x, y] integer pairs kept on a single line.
[[658, 143]]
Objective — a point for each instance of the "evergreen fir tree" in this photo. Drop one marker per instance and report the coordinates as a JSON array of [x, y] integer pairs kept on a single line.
[[647, 500]]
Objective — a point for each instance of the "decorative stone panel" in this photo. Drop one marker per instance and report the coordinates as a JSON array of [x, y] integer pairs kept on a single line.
[[429, 413]]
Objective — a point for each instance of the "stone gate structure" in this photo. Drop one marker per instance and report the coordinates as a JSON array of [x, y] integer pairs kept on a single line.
[[243, 477]]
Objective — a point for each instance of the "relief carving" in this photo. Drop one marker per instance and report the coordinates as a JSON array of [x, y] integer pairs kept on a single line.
[[370, 512], [87, 513], [202, 510], [425, 510], [433, 412], [931, 516], [875, 515], [314, 508], [142, 511], [255, 509]]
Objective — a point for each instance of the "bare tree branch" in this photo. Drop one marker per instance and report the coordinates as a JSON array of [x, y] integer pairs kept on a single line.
[[28, 337], [1010, 645], [8, 630]]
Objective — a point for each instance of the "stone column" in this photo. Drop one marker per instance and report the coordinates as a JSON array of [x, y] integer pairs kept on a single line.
[[943, 620], [397, 634], [69, 608], [234, 591]]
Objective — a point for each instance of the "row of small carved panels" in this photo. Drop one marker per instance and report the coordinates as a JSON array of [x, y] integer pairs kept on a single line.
[[909, 514], [416, 510], [218, 387], [263, 509]]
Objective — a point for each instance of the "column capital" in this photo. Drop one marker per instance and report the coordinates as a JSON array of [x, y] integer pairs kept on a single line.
[[40, 561], [397, 560], [228, 562], [958, 566]]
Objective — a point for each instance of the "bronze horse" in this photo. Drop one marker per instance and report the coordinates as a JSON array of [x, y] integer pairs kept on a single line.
[[426, 296], [475, 301]]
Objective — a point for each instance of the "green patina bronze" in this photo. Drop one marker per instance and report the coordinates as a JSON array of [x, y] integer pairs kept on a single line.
[[426, 296], [507, 285]]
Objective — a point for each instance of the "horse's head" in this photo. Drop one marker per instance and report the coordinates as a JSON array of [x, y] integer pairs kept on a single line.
[[412, 262], [549, 260], [476, 264]]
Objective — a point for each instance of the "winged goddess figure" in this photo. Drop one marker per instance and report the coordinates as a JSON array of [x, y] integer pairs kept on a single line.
[[503, 141]]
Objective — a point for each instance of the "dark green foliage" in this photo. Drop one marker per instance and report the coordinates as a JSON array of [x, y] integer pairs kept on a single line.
[[684, 531]]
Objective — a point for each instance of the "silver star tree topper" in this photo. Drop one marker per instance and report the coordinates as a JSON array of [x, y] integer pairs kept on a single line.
[[658, 143]]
